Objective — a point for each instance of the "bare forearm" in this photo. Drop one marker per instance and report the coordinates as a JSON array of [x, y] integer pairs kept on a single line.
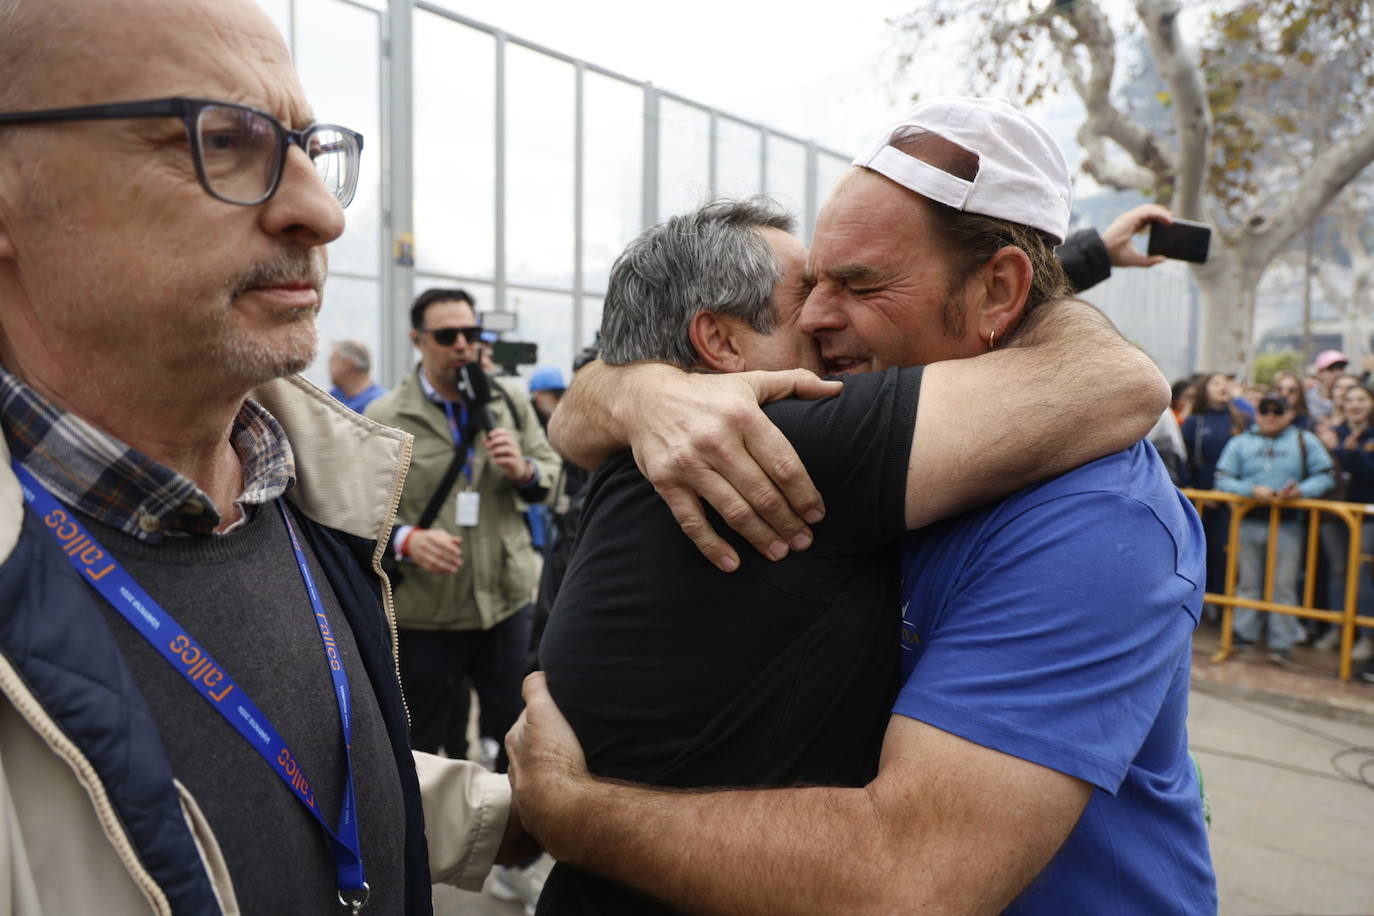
[[810, 850], [1068, 391], [947, 826], [584, 428], [1105, 386]]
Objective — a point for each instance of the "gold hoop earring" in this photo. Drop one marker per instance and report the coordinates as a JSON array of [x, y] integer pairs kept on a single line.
[[992, 340]]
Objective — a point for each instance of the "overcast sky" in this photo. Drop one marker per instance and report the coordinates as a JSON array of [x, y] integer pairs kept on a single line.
[[828, 78], [824, 78]]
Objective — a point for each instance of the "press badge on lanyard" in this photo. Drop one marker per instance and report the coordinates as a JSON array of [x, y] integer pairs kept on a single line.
[[469, 508], [107, 576]]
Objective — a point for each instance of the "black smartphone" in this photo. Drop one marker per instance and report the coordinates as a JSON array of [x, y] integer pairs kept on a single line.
[[1182, 240]]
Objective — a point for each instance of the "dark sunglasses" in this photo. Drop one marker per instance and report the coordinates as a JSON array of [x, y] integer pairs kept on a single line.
[[1272, 411], [445, 337]]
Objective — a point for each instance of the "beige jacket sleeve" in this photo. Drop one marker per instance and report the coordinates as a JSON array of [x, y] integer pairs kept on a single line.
[[466, 809]]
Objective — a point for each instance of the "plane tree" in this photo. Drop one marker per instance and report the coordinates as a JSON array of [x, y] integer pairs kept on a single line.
[[1251, 115]]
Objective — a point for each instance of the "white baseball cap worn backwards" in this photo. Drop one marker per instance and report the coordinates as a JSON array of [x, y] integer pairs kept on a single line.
[[1022, 176]]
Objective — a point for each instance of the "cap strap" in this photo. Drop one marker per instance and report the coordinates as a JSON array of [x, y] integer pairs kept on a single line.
[[921, 177]]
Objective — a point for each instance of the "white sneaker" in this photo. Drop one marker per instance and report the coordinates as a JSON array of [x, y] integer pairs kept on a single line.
[[518, 885], [1363, 650], [1330, 641]]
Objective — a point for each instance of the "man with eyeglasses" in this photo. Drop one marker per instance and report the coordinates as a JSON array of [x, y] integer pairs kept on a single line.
[[180, 514]]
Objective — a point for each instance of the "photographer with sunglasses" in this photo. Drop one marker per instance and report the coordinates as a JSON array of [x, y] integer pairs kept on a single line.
[[466, 560]]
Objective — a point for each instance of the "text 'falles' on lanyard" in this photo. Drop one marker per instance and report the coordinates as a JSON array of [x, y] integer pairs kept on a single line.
[[97, 566]]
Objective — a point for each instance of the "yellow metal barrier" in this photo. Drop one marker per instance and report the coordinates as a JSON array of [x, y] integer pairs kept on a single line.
[[1352, 514]]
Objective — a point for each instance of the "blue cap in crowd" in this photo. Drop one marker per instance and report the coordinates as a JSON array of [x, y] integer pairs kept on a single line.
[[547, 378]]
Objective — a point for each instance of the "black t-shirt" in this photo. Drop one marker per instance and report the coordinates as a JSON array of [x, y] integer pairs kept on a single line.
[[673, 673]]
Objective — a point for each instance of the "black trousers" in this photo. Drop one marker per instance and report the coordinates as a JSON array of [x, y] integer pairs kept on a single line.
[[436, 664]]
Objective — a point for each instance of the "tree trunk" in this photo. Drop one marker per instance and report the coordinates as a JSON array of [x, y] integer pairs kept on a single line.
[[1357, 330], [1229, 286], [1306, 349]]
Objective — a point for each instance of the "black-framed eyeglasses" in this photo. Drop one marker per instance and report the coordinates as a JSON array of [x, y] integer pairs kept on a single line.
[[238, 150], [1272, 411], [445, 337]]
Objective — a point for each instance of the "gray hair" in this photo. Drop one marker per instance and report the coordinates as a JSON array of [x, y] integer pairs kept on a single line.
[[355, 351], [710, 260]]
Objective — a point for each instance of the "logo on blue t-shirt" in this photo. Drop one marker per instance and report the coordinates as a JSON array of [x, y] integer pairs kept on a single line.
[[910, 638]]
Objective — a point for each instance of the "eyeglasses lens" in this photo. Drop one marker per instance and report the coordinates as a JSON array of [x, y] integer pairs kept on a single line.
[[239, 153], [335, 155], [1270, 412]]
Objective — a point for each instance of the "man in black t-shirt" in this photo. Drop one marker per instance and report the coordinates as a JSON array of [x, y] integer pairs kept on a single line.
[[673, 672]]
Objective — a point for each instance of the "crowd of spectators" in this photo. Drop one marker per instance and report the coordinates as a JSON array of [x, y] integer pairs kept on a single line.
[[1300, 437]]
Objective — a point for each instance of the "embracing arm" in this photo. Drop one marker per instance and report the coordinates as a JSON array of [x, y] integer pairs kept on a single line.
[[583, 428], [700, 435], [1069, 390], [947, 826]]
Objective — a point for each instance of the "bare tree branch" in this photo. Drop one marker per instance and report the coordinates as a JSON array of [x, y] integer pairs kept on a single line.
[[1279, 219], [1179, 68], [1090, 35]]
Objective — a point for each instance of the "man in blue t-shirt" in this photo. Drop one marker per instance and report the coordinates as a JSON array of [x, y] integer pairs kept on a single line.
[[1055, 627], [1036, 759], [350, 372]]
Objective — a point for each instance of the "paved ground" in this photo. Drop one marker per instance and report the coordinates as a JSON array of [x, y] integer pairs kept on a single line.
[[1310, 684], [1292, 832]]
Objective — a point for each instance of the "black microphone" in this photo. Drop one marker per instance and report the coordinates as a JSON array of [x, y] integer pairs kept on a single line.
[[472, 382]]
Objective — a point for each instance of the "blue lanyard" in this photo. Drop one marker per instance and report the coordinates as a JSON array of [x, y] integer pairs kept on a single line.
[[456, 430], [116, 586]]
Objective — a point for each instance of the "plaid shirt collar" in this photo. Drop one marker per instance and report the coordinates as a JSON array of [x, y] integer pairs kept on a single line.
[[120, 486]]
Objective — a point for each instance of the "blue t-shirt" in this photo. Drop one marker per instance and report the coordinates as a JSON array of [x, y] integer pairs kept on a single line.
[[1056, 626]]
